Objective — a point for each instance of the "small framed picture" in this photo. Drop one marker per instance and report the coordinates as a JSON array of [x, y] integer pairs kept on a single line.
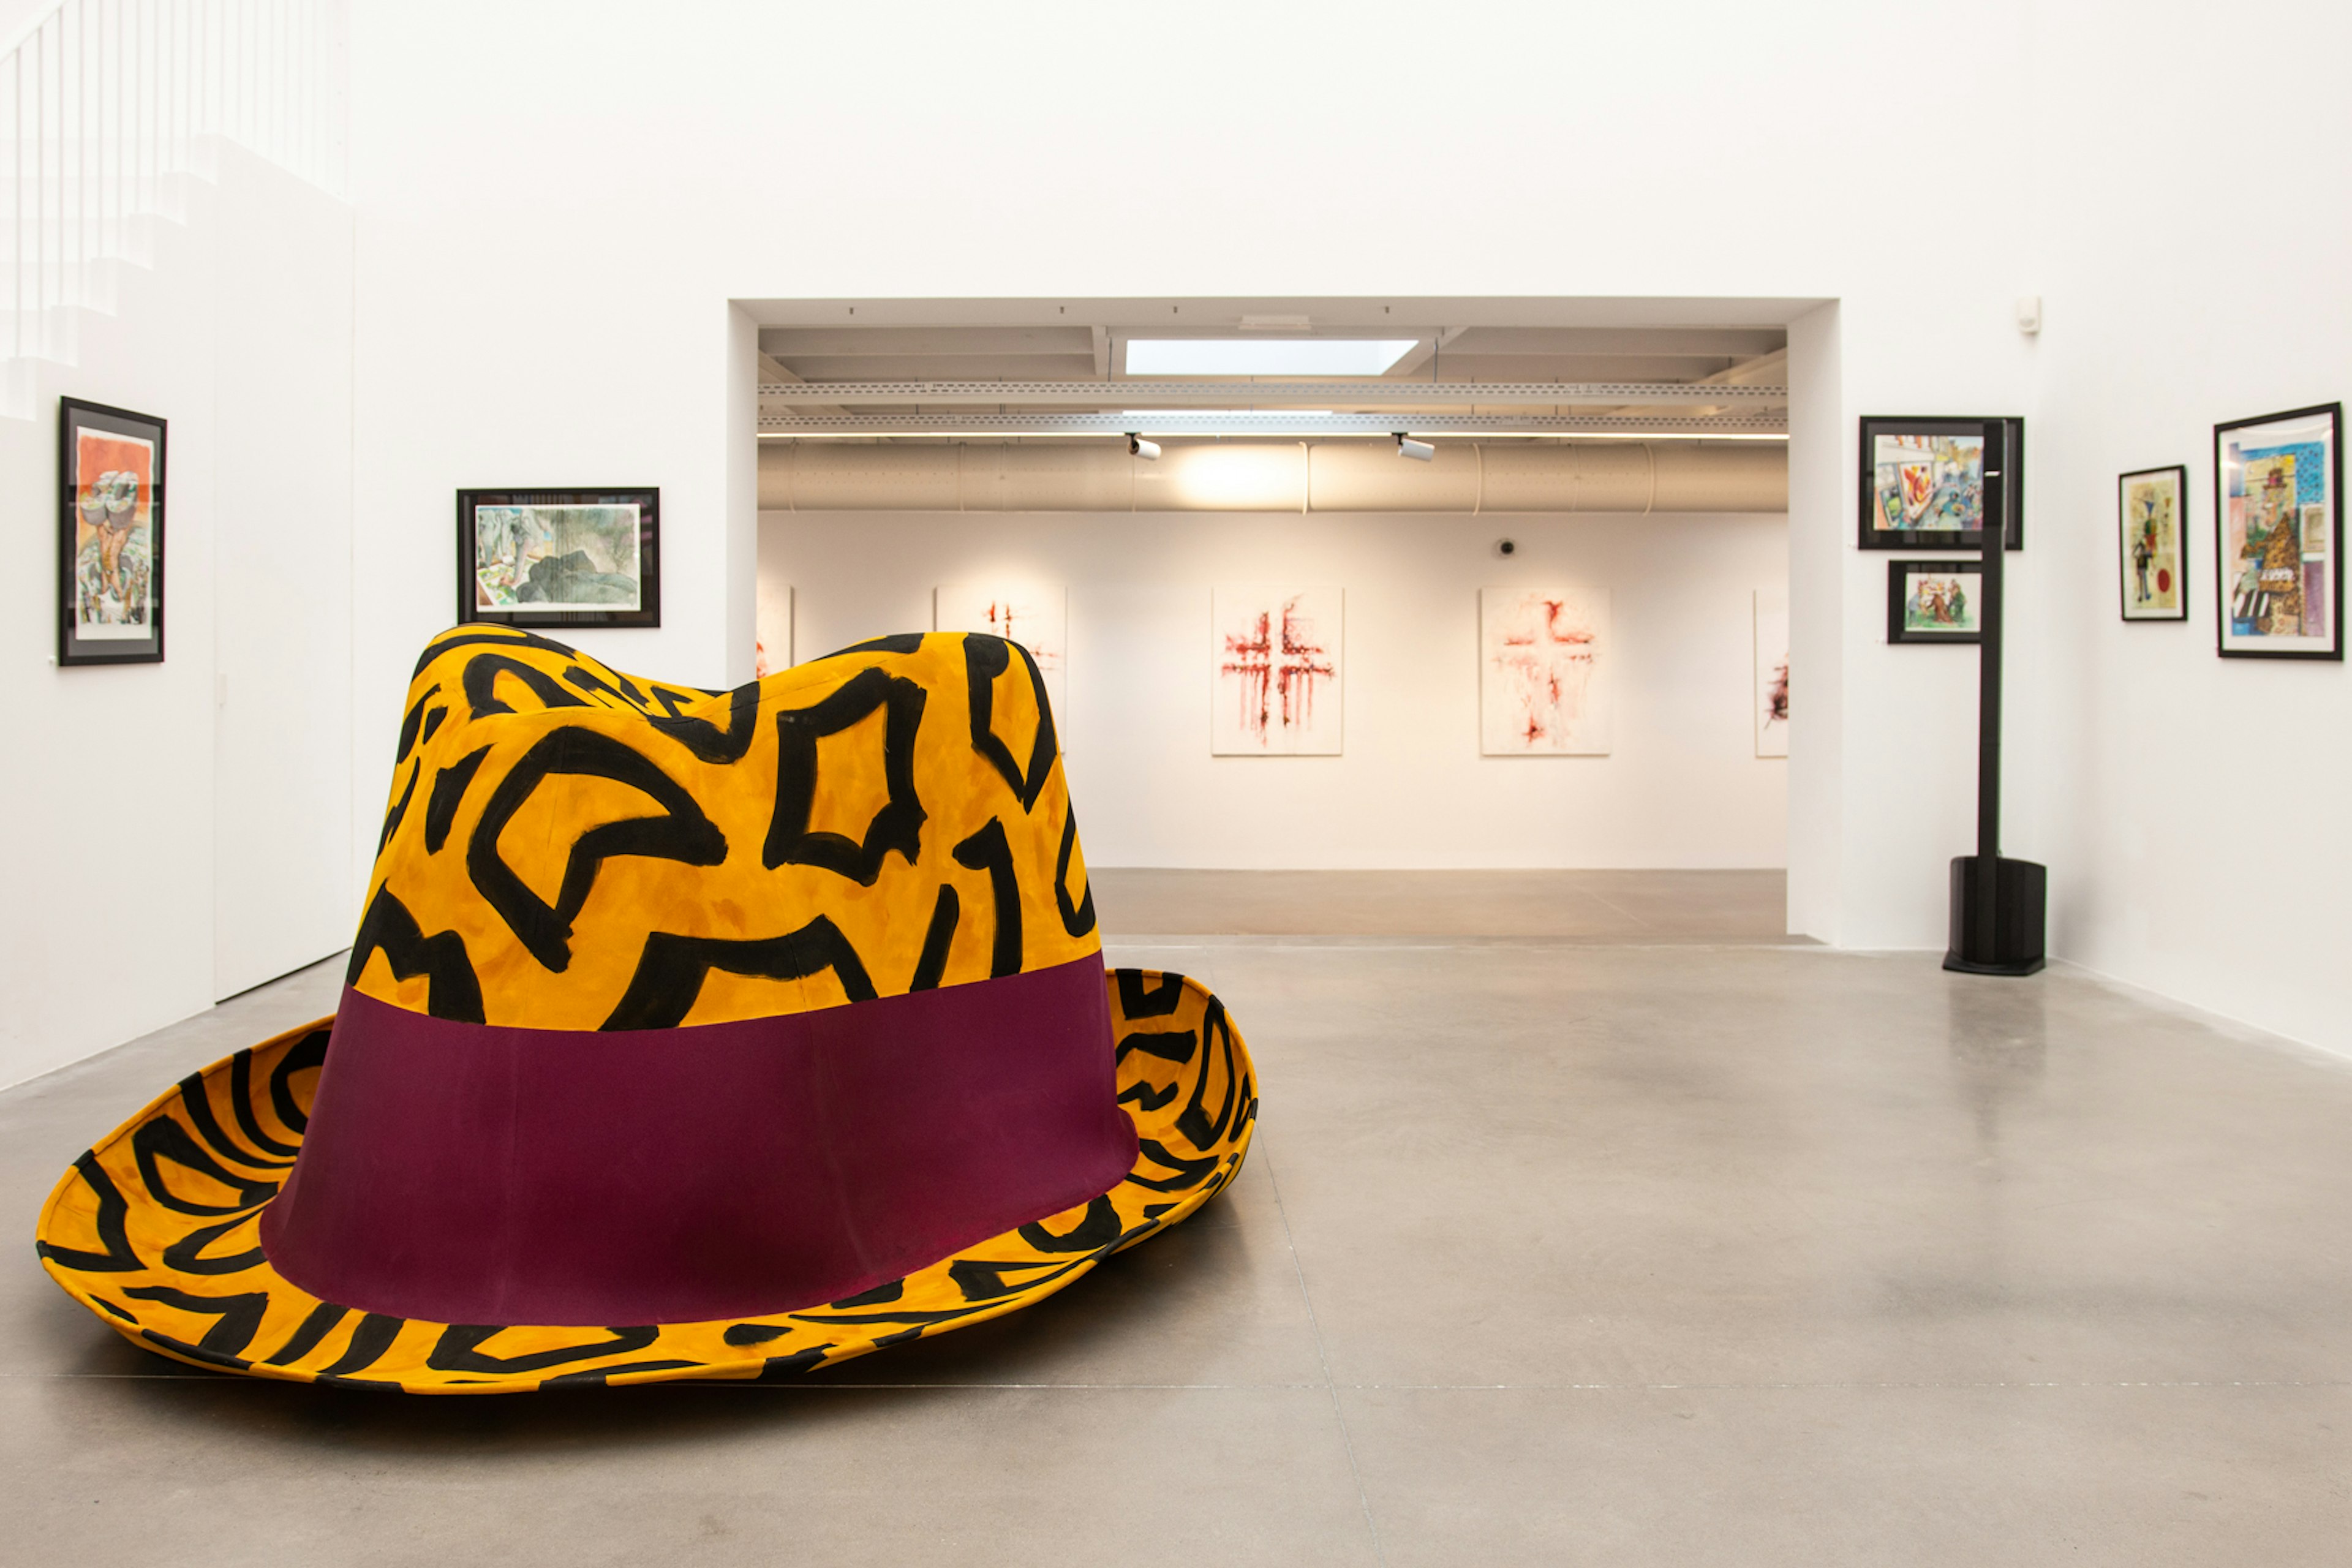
[[110, 535], [2151, 515], [2278, 531], [1923, 483], [1934, 601], [559, 558]]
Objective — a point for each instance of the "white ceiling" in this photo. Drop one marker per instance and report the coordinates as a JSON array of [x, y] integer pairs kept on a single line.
[[1458, 342]]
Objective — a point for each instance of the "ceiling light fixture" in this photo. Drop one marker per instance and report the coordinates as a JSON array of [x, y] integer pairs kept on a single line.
[[1137, 447], [1265, 356], [1176, 415], [1418, 451]]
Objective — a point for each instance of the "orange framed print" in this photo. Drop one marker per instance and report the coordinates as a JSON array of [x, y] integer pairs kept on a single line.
[[110, 535]]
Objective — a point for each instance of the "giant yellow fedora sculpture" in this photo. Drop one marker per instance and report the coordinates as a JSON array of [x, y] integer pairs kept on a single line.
[[687, 1034]]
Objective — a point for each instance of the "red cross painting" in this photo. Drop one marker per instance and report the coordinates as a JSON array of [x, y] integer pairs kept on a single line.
[[1277, 671], [1543, 687]]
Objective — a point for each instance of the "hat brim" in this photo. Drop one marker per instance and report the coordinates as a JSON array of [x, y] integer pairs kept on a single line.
[[154, 1230]]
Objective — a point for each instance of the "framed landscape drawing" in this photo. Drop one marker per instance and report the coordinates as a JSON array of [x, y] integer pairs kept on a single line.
[[1035, 614], [1934, 601], [2278, 529], [559, 558], [1923, 483], [2151, 511], [1544, 664], [110, 535], [1771, 672], [1276, 670]]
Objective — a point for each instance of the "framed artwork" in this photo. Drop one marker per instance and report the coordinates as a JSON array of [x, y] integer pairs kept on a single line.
[[1035, 614], [2278, 529], [1276, 666], [1771, 706], [1544, 664], [110, 535], [1923, 483], [1934, 601], [559, 558], [2151, 508]]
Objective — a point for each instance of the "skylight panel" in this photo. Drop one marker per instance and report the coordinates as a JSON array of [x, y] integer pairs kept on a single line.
[[1263, 356]]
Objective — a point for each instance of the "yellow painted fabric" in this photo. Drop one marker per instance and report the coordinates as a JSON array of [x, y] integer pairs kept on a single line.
[[570, 847], [558, 831]]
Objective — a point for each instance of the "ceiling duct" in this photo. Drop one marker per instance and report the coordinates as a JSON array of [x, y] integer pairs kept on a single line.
[[1322, 476]]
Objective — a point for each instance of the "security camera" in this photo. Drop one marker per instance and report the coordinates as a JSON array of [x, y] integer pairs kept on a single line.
[[1137, 447], [1418, 451], [1507, 547]]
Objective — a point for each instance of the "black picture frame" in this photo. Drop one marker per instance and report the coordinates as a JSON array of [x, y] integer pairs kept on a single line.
[[531, 545], [110, 605], [1874, 533], [2240, 610], [2136, 559], [1900, 629]]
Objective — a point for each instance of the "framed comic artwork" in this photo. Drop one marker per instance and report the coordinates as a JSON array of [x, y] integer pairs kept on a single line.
[[2278, 535], [1935, 601], [110, 535], [1923, 483]]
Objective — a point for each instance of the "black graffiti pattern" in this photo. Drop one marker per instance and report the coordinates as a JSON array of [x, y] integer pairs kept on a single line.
[[454, 990], [681, 833], [898, 827], [985, 658], [672, 969], [1077, 919], [987, 850], [449, 785]]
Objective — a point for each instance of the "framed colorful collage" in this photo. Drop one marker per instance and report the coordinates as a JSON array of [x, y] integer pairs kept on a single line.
[[2278, 528]]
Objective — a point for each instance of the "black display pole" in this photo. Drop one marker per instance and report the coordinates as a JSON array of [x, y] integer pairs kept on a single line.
[[1998, 905]]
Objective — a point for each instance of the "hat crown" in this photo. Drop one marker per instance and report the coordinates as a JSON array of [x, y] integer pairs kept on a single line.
[[569, 848]]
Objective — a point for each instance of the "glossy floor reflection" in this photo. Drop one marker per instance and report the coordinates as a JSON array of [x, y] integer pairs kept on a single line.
[[1550, 1251]]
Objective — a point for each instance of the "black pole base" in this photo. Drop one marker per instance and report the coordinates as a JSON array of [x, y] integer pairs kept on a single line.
[[1996, 920]]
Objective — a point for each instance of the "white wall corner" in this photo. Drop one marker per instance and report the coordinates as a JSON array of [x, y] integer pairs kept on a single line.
[[1821, 521], [741, 459]]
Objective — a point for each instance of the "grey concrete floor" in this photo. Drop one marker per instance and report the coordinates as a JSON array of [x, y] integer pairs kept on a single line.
[[1588, 906], [1550, 1250]]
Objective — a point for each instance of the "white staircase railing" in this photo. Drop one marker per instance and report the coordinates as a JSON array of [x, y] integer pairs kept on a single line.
[[104, 104]]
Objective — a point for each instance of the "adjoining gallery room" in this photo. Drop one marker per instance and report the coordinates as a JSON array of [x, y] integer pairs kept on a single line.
[[1388, 787]]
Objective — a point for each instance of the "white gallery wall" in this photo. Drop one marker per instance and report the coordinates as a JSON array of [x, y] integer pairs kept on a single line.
[[1682, 786], [555, 212], [491, 353], [179, 831], [2194, 275]]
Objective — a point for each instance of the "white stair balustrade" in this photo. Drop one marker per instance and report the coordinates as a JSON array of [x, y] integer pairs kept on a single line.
[[109, 108]]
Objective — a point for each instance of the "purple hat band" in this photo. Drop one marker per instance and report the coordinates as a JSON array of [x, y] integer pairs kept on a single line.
[[476, 1173]]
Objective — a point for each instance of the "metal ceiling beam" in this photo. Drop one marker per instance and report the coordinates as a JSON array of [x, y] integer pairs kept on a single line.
[[1244, 393], [1295, 425]]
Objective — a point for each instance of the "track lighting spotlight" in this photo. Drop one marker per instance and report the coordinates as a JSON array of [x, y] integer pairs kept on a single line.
[[1418, 451], [1138, 448]]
